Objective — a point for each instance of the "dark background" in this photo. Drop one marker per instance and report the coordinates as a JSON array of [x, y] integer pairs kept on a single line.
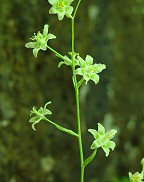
[[112, 32]]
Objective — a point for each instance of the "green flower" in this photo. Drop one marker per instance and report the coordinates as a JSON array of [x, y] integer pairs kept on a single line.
[[40, 114], [136, 177], [88, 70], [61, 7], [40, 41], [103, 139]]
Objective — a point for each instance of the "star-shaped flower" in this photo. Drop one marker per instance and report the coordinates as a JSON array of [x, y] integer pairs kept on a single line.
[[40, 114], [88, 70], [136, 177], [61, 7], [40, 41], [103, 139]]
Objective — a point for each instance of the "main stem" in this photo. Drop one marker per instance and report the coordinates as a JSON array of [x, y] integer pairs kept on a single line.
[[77, 104]]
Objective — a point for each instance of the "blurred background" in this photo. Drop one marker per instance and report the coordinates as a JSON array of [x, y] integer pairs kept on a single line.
[[112, 32]]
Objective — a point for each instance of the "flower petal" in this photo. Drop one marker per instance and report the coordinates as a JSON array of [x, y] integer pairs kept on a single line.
[[68, 2], [45, 30], [89, 60], [53, 10], [61, 15], [82, 63], [34, 121], [112, 133], [35, 51], [53, 2], [69, 11], [99, 67], [111, 145], [96, 144], [30, 45], [51, 36], [94, 77], [79, 71], [44, 47], [86, 77], [106, 150], [101, 129], [93, 132], [46, 111]]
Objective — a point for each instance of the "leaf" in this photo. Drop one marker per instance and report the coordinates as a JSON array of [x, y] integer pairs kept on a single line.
[[90, 158], [80, 82], [60, 63], [66, 130]]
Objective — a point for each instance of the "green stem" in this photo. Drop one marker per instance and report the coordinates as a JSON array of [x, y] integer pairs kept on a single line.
[[61, 128], [76, 8], [57, 54], [77, 96]]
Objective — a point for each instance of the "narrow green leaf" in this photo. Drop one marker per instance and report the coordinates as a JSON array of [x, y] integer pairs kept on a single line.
[[66, 130], [60, 63], [80, 82], [90, 158]]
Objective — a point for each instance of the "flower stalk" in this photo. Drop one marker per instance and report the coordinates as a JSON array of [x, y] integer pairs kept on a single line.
[[85, 68], [77, 95]]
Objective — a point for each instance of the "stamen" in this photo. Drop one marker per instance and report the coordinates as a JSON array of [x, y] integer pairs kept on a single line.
[[60, 4]]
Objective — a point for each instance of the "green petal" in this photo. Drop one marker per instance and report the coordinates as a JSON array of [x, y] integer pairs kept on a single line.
[[46, 111], [69, 11], [86, 77], [94, 77], [35, 119], [96, 144], [68, 2], [101, 129], [44, 47], [35, 51], [61, 15], [53, 2], [48, 103], [41, 110], [79, 71], [111, 145], [112, 133], [106, 150], [30, 45], [45, 30], [51, 36], [81, 62], [142, 162], [93, 132], [53, 10], [99, 67], [89, 60], [130, 175]]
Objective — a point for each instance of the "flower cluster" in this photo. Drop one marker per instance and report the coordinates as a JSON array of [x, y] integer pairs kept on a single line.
[[40, 41], [40, 114], [88, 70], [61, 8], [102, 139]]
